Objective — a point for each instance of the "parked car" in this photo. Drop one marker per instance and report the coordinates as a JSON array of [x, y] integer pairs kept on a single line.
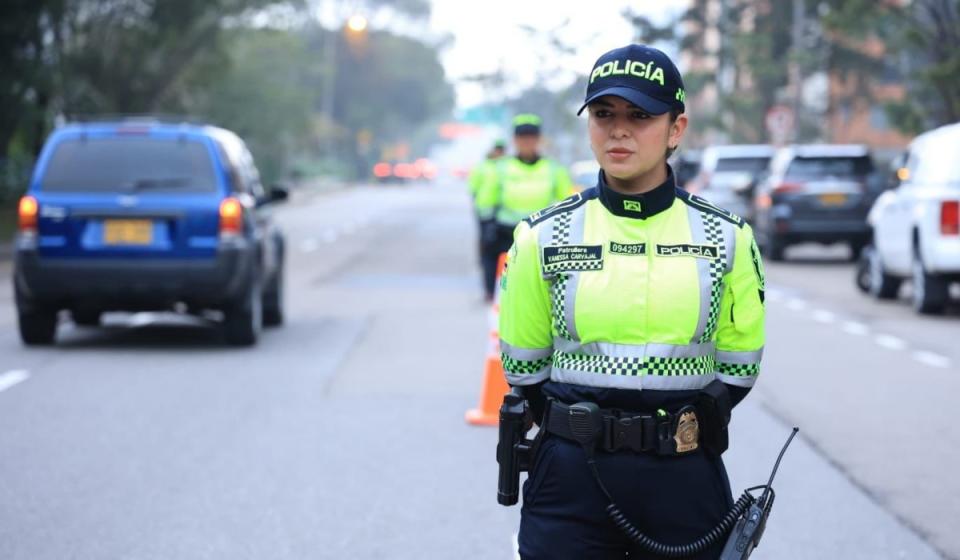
[[729, 174], [818, 193], [916, 226], [584, 174], [686, 165], [142, 215]]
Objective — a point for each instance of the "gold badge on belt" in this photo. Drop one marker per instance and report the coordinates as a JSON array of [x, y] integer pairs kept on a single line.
[[688, 432]]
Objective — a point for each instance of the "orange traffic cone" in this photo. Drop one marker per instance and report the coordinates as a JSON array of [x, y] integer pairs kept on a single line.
[[495, 385]]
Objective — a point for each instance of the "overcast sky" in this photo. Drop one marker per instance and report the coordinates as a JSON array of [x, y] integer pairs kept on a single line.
[[487, 34]]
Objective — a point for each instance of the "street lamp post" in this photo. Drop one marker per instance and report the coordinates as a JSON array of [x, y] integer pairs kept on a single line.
[[354, 24]]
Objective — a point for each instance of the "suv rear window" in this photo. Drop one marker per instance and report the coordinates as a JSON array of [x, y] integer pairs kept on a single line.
[[752, 165], [129, 165], [816, 167]]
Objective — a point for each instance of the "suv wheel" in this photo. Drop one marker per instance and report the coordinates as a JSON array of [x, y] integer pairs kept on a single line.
[[929, 291], [774, 248], [881, 284], [242, 320], [273, 298], [37, 327], [862, 275]]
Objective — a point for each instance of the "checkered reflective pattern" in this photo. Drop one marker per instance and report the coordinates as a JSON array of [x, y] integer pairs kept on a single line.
[[740, 370], [611, 365], [714, 233], [572, 265], [523, 367], [561, 236]]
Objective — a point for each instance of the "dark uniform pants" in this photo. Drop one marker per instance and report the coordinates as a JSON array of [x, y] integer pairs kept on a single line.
[[494, 240], [674, 500]]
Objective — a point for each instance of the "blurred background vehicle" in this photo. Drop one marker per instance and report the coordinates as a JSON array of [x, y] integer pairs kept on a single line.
[[728, 176], [686, 164], [143, 215], [818, 193], [916, 225], [584, 174]]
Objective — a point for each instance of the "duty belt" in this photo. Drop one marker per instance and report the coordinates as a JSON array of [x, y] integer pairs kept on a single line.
[[665, 433]]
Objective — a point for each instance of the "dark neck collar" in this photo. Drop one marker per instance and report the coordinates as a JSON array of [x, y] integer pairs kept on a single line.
[[532, 161], [639, 206]]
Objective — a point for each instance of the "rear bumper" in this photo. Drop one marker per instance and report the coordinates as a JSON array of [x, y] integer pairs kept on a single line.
[[822, 231], [134, 284]]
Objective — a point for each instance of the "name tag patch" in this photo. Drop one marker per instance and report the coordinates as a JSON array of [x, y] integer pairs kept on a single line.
[[689, 250], [564, 258], [628, 248]]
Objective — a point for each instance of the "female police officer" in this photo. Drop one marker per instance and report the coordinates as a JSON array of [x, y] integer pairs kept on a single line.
[[641, 298]]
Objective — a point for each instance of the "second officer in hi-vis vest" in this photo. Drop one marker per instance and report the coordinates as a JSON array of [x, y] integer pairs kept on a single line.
[[632, 316]]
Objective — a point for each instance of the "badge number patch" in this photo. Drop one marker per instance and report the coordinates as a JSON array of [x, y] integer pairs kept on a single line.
[[628, 248], [689, 250], [563, 258]]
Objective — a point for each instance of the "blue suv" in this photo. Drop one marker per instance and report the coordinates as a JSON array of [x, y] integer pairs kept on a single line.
[[142, 215]]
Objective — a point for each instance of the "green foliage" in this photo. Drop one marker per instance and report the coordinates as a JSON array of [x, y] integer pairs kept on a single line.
[[208, 60]]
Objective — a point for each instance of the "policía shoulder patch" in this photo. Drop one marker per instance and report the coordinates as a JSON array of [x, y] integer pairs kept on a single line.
[[565, 205], [705, 205], [567, 258], [689, 250]]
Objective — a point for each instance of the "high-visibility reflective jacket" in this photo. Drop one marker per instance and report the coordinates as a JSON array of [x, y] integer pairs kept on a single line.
[[661, 291], [517, 189], [483, 172]]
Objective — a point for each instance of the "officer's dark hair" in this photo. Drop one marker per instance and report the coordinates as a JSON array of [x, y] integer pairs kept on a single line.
[[674, 115]]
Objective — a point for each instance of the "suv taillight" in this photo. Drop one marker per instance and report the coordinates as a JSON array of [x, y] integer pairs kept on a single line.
[[231, 217], [786, 187], [950, 217], [27, 214]]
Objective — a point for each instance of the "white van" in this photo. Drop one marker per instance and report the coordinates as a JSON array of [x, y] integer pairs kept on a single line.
[[916, 226]]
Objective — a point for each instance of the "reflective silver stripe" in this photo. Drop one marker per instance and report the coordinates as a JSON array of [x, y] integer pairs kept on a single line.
[[526, 354], [730, 243], [636, 382], [753, 357], [655, 350], [738, 380], [699, 235], [529, 378], [575, 237]]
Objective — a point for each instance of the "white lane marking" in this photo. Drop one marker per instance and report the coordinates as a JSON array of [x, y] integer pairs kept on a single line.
[[515, 541], [853, 327], [309, 245], [796, 304], [12, 377], [891, 342], [931, 359], [823, 316]]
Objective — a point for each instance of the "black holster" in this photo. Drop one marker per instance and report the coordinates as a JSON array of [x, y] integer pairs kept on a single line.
[[713, 408], [513, 448]]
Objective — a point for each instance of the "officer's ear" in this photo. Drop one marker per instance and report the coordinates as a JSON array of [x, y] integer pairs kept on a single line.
[[677, 128]]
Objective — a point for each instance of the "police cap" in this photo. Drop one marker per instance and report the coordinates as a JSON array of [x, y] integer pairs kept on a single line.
[[642, 75]]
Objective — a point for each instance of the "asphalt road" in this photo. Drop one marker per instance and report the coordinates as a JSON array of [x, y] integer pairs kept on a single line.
[[342, 435]]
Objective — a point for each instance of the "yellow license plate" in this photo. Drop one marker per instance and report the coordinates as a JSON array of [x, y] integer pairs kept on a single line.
[[833, 199], [127, 232]]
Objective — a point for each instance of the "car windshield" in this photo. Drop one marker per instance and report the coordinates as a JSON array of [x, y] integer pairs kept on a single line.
[[752, 165], [817, 167], [129, 165]]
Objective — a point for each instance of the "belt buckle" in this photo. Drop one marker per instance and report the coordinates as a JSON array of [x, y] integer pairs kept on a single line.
[[687, 433]]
